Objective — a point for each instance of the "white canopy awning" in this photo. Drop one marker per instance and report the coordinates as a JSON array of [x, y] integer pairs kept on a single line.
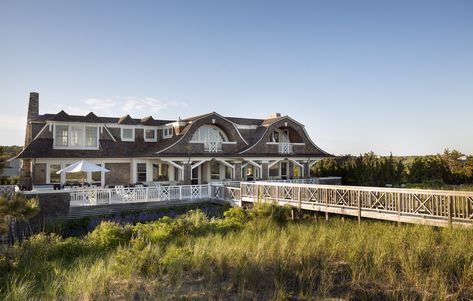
[[82, 166]]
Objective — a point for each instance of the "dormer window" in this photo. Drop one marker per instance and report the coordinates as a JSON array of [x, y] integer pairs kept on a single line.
[[167, 132], [128, 134], [150, 135], [76, 136], [212, 137], [91, 136], [209, 133], [280, 136], [61, 136]]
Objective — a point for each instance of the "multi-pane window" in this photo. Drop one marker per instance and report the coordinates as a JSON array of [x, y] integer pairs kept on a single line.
[[54, 178], [91, 136], [167, 132], [208, 133], [141, 172], [280, 136], [60, 138], [150, 135], [77, 135], [128, 134]]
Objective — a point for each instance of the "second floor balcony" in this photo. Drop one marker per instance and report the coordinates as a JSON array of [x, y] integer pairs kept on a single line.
[[285, 148], [213, 146]]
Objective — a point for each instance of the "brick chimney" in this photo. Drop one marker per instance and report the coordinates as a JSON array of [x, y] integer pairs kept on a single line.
[[33, 112]]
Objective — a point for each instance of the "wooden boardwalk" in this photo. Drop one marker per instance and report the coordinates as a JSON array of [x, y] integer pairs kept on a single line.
[[428, 207]]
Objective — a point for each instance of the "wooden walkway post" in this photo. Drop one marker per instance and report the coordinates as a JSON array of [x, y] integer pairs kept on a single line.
[[358, 203], [398, 209], [449, 203]]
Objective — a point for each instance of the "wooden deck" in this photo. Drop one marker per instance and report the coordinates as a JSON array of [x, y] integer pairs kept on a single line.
[[427, 207]]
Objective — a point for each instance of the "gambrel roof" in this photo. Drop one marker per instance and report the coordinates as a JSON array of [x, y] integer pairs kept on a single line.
[[248, 136]]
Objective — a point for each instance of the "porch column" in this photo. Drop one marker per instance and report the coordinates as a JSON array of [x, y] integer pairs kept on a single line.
[[265, 170], [187, 173], [237, 175], [306, 170]]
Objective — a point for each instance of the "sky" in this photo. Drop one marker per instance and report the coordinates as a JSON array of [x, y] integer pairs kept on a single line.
[[382, 76]]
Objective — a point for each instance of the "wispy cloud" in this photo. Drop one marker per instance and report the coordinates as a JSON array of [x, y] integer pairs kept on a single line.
[[133, 105]]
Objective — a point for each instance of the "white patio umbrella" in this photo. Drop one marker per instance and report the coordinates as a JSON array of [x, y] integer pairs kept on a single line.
[[83, 166]]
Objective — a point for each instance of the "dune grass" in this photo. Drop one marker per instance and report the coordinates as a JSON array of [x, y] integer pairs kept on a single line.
[[255, 254]]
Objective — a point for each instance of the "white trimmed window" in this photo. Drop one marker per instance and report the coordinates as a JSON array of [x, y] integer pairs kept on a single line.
[[91, 136], [280, 136], [150, 135], [76, 136], [167, 132], [61, 135], [128, 134], [141, 172], [209, 133]]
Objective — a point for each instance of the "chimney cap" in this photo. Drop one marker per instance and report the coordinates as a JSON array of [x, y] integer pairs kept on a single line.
[[274, 115]]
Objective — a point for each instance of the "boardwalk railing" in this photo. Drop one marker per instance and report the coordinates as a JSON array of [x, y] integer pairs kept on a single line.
[[432, 207]]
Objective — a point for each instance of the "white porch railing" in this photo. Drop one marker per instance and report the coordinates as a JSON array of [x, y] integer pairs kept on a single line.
[[213, 146], [104, 196], [285, 148]]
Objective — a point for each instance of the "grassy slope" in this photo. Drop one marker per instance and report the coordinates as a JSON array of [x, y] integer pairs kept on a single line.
[[247, 255]]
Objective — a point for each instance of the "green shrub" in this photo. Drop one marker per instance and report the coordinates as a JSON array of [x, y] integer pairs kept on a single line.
[[272, 212], [109, 235]]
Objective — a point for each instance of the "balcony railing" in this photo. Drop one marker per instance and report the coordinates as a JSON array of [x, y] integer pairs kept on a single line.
[[285, 148], [213, 146]]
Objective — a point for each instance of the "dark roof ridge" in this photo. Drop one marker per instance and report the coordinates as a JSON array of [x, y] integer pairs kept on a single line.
[[127, 120]]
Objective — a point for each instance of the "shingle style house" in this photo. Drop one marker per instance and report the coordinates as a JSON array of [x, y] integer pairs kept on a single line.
[[198, 149]]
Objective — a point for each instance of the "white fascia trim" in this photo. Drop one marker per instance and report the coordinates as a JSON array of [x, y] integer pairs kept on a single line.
[[173, 164], [312, 163], [297, 163], [199, 163], [226, 163], [274, 163], [276, 143], [41, 131], [255, 164], [246, 127], [113, 138], [177, 123]]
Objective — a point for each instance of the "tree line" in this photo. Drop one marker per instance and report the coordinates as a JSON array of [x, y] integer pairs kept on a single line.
[[449, 168]]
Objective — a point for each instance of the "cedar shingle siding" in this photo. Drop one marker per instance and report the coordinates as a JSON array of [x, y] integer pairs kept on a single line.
[[248, 140]]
